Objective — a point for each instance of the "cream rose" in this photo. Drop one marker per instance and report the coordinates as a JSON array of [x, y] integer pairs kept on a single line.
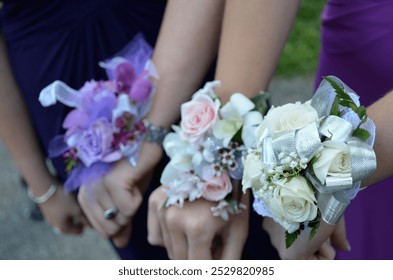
[[291, 116], [334, 160], [293, 202], [217, 188], [198, 116]]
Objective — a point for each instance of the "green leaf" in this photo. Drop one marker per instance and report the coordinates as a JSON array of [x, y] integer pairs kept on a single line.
[[340, 92], [70, 164], [232, 204], [354, 107], [361, 133], [362, 112], [290, 238], [314, 230], [165, 204], [335, 109], [261, 102], [238, 136], [346, 103]]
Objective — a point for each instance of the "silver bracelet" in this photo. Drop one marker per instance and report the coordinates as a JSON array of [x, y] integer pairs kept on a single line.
[[43, 198], [154, 134]]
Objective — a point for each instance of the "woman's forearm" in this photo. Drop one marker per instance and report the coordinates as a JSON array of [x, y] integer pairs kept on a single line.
[[382, 114], [253, 35], [16, 130], [185, 50]]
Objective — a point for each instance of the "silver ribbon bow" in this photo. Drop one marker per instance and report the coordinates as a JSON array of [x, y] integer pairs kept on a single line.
[[305, 142], [336, 194]]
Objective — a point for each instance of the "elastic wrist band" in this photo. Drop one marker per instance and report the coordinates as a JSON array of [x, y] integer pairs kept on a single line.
[[43, 198], [154, 134]]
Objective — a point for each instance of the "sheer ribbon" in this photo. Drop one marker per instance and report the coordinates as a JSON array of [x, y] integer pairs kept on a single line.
[[336, 193]]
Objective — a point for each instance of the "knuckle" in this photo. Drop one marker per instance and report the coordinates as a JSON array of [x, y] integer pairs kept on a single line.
[[127, 210], [172, 220], [198, 228]]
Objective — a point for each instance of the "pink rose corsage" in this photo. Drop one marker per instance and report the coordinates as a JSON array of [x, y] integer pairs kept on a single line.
[[206, 150], [106, 122]]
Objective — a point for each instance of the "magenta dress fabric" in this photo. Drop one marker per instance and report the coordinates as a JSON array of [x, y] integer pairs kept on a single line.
[[357, 45]]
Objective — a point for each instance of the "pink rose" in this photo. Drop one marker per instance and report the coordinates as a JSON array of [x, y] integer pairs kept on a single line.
[[217, 188], [197, 117]]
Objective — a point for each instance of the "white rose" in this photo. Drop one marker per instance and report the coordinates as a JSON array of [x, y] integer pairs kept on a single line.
[[289, 117], [334, 160], [252, 171], [232, 117], [293, 202]]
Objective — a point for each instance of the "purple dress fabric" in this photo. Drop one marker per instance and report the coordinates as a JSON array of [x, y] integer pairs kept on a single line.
[[357, 41]]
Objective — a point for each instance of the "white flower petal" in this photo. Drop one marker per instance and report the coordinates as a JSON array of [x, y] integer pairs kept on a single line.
[[123, 105], [168, 175], [182, 162], [251, 121], [173, 144], [226, 129], [237, 106]]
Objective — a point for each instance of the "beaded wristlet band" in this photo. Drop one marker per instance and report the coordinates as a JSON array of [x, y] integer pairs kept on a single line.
[[154, 134], [43, 198]]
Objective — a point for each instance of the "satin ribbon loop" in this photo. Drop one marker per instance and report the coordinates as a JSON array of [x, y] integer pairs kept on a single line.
[[268, 156], [336, 128], [59, 91], [332, 206], [307, 141], [363, 159], [337, 192]]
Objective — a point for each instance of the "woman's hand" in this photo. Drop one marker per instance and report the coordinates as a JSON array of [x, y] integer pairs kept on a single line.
[[63, 213], [121, 190], [320, 247], [192, 232]]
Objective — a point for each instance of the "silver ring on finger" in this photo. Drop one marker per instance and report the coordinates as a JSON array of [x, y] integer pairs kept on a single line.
[[111, 213]]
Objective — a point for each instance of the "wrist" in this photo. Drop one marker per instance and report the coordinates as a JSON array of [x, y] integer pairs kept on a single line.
[[154, 133], [44, 197]]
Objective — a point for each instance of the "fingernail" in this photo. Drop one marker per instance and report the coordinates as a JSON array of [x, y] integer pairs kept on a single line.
[[57, 231], [348, 246]]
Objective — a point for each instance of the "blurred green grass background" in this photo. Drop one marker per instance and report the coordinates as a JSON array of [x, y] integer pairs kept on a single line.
[[300, 55]]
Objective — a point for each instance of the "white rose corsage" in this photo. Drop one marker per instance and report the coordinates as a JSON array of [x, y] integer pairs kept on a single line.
[[206, 150], [308, 160]]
